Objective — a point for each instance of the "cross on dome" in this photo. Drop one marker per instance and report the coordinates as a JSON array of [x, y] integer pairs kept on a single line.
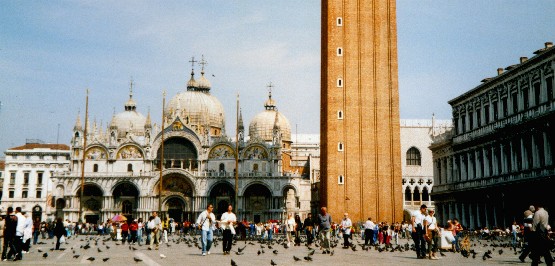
[[202, 63]]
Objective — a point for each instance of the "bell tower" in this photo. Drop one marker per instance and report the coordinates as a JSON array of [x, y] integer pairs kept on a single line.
[[360, 135]]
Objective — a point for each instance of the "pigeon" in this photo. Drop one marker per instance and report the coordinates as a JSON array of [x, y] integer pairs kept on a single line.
[[137, 259], [311, 252], [259, 252], [98, 249], [500, 251], [45, 255], [233, 263], [39, 250], [105, 259], [241, 249], [308, 258], [91, 258], [275, 251], [76, 256], [273, 263], [296, 259], [331, 254], [162, 256]]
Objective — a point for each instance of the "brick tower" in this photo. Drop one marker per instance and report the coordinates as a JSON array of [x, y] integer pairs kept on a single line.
[[360, 137]]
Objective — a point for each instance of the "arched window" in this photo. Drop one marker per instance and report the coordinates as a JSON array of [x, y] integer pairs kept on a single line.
[[407, 194], [425, 194], [255, 167], [222, 167], [413, 156], [95, 168], [129, 168], [416, 194]]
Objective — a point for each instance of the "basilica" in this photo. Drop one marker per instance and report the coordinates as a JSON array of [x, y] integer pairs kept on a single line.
[[123, 163]]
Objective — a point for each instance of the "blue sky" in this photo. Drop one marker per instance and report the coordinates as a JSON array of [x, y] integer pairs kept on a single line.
[[50, 52]]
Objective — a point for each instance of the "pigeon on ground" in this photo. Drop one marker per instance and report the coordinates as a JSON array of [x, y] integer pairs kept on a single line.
[[162, 256], [91, 258], [45, 255], [273, 263], [233, 263], [308, 258], [76, 256], [275, 251], [137, 259], [105, 259], [296, 259]]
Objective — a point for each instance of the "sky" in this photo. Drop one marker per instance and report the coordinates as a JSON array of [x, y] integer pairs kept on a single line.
[[51, 52]]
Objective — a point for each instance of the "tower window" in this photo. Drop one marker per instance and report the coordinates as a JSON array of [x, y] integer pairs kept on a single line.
[[340, 180], [129, 168], [339, 21], [95, 168], [339, 114], [340, 82], [339, 51], [340, 146]]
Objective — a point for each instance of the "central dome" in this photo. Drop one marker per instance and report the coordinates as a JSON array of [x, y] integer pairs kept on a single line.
[[196, 107], [129, 121]]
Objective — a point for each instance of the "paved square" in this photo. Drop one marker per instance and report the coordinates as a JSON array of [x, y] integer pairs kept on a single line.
[[181, 254]]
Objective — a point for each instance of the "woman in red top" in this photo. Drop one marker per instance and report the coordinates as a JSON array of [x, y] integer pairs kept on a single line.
[[133, 227], [124, 232]]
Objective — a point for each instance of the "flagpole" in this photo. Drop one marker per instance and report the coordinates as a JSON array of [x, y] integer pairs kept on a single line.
[[161, 155], [237, 155], [84, 157]]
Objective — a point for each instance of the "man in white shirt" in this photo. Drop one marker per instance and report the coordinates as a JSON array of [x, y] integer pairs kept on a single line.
[[19, 229], [155, 227], [418, 225], [541, 245], [346, 229], [369, 232], [205, 222], [227, 223]]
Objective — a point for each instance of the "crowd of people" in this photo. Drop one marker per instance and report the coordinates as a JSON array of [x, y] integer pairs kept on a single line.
[[18, 231]]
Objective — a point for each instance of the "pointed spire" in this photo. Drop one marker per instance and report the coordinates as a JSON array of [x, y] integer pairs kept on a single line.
[[148, 123], [78, 125], [130, 105], [270, 104]]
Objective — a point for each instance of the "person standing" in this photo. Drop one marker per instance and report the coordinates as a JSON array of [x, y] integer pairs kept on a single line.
[[227, 224], [458, 233], [289, 228], [418, 231], [541, 246], [155, 226], [432, 231], [369, 232], [36, 230], [124, 231], [59, 231], [19, 231], [27, 233], [140, 226], [133, 228], [205, 222], [309, 227], [324, 227], [298, 230], [346, 225], [9, 235]]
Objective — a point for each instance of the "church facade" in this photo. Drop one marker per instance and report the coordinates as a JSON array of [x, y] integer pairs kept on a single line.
[[123, 165]]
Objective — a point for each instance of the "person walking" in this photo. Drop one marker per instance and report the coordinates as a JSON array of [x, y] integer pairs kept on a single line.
[[418, 231], [9, 235], [369, 232], [140, 231], [19, 231], [59, 231], [227, 223], [298, 230], [324, 227], [309, 227], [345, 226], [527, 222], [541, 246], [290, 227], [36, 230], [27, 233], [206, 221], [154, 226], [124, 231], [133, 228]]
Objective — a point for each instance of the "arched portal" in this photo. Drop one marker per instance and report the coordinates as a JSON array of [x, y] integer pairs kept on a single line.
[[257, 203], [176, 186], [408, 196], [416, 195], [179, 153], [126, 199], [290, 198], [221, 195], [60, 205], [92, 202]]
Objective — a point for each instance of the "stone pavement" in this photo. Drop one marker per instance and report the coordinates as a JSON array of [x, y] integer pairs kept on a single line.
[[182, 254]]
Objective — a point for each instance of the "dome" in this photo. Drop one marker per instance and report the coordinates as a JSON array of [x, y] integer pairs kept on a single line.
[[203, 82], [262, 125], [196, 108], [129, 120]]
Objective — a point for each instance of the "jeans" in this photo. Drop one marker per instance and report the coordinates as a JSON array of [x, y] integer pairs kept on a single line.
[[207, 236], [140, 236], [457, 236], [35, 237]]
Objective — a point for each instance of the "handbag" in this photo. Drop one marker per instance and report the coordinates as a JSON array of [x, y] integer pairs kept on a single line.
[[62, 239]]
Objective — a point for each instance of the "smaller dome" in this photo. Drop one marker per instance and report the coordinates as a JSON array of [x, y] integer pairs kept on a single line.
[[203, 82], [192, 83], [129, 121]]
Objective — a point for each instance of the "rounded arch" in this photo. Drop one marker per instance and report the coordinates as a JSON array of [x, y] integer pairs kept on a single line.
[[96, 152], [256, 188], [129, 152], [255, 151], [425, 194], [125, 188], [222, 151], [413, 156], [408, 194], [185, 134], [175, 184], [91, 190], [221, 194], [286, 189], [416, 194]]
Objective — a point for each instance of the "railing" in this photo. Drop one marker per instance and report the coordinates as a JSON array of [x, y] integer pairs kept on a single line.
[[531, 113], [155, 173]]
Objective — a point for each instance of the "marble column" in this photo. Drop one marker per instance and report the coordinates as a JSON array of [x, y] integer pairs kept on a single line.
[[486, 215], [478, 220], [463, 216], [547, 149]]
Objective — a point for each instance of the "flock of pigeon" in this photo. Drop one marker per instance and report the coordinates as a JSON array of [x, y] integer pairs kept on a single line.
[[278, 247]]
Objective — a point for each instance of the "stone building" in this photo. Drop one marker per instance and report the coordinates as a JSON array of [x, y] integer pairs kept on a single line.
[[360, 141], [416, 160], [498, 159], [27, 176], [123, 161]]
